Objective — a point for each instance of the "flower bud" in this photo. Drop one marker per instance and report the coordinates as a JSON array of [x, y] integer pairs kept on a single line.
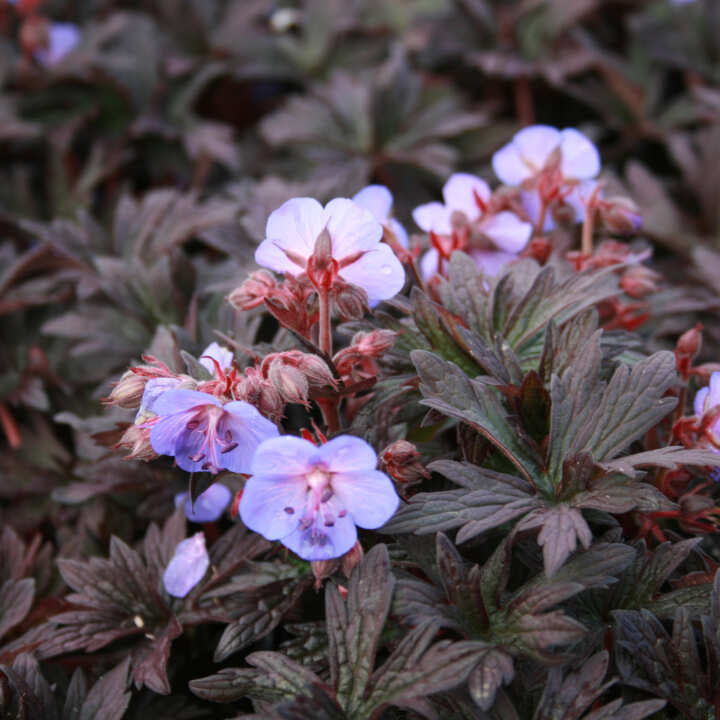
[[322, 268], [351, 301], [253, 291], [687, 349], [352, 558], [289, 381], [323, 569], [639, 281], [620, 214], [375, 343], [401, 461], [136, 439], [128, 391]]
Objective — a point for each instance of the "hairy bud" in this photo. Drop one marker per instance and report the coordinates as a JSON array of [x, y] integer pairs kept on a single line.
[[687, 349], [401, 460], [352, 558], [620, 214], [128, 391], [289, 381], [375, 343], [136, 439], [293, 373], [323, 569], [253, 291], [639, 281], [351, 301], [322, 268]]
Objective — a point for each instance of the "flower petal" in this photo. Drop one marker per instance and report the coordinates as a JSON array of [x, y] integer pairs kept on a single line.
[[264, 502], [699, 402], [368, 496], [176, 401], [222, 355], [187, 567], [249, 429], [346, 453], [189, 444], [714, 397], [378, 272], [351, 227], [459, 194], [322, 543], [165, 433], [63, 38], [294, 226], [535, 143], [433, 216], [532, 204], [399, 232], [491, 262], [209, 505], [377, 199], [580, 158], [509, 166], [429, 263], [154, 388], [286, 455], [508, 231]]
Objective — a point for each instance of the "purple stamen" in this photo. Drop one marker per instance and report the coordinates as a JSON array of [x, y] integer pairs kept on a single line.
[[327, 494], [197, 457], [193, 425], [342, 513], [289, 510], [228, 448]]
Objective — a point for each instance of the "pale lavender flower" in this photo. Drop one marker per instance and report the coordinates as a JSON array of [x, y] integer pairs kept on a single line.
[[154, 388], [379, 201], [466, 199], [222, 355], [312, 498], [708, 397], [489, 261], [208, 506], [356, 235], [203, 434], [187, 567], [63, 38], [529, 151]]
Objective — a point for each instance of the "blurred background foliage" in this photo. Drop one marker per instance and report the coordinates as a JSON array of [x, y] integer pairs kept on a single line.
[[137, 172]]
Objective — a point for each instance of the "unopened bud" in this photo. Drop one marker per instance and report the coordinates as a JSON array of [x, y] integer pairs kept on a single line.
[[323, 569], [136, 439], [352, 558], [620, 214], [128, 391], [322, 268], [401, 460], [351, 301], [639, 281], [687, 349], [289, 382], [375, 343], [253, 291]]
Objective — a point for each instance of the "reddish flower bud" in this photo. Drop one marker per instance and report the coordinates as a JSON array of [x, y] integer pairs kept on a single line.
[[322, 268], [401, 461], [323, 569], [350, 300], [128, 391], [136, 439], [687, 348], [375, 343], [253, 291], [639, 281], [352, 558], [620, 214], [255, 389], [289, 382]]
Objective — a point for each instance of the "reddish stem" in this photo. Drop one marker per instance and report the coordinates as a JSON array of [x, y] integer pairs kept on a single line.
[[329, 406]]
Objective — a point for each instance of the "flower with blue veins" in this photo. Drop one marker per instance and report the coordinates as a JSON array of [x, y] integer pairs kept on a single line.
[[203, 434], [312, 498]]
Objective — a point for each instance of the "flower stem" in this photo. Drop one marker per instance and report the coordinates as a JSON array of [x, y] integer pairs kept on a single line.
[[329, 406], [587, 231]]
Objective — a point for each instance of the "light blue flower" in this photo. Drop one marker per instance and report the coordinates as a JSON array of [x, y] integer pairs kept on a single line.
[[312, 498], [187, 567], [203, 434]]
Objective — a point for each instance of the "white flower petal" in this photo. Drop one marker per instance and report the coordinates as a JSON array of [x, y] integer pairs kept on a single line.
[[399, 232], [433, 217], [531, 204], [352, 228], [222, 355], [535, 144], [491, 262], [459, 194], [580, 158], [509, 166], [699, 402], [294, 226], [378, 272], [377, 199], [508, 231], [429, 264]]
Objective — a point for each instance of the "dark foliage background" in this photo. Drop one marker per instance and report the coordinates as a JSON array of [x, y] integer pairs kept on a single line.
[[136, 176]]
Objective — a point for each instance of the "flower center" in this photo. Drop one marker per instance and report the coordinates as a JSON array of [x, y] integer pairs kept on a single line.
[[214, 442]]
